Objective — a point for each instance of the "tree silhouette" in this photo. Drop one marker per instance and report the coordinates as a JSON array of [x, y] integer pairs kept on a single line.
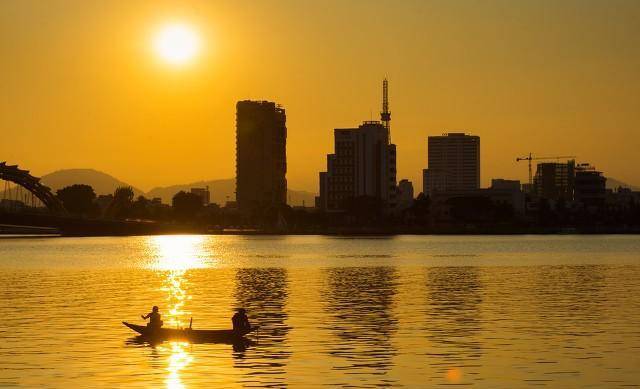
[[122, 202], [364, 210], [472, 209], [186, 205], [77, 199], [419, 209], [140, 208]]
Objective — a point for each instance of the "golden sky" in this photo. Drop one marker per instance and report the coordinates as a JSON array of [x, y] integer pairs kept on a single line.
[[80, 85]]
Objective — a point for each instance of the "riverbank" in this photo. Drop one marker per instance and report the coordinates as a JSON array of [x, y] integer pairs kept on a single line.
[[66, 226]]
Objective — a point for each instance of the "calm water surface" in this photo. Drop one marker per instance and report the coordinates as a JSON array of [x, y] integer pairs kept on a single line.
[[557, 311]]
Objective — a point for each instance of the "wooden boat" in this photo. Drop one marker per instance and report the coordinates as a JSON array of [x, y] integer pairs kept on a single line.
[[163, 333]]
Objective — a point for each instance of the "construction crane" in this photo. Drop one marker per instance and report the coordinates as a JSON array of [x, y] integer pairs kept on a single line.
[[532, 158]]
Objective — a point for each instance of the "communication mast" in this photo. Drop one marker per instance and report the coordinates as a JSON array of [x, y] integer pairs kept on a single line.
[[385, 115]]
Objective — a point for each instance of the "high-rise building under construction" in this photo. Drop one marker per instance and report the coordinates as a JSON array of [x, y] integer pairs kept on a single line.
[[261, 156]]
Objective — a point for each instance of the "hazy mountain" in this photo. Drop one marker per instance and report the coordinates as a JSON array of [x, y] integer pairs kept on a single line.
[[612, 183], [223, 190], [101, 183], [219, 189]]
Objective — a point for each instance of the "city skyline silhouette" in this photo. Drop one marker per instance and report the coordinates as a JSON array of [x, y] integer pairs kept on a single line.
[[554, 79]]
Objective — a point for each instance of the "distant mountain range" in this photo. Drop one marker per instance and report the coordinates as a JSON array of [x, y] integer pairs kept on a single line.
[[102, 183], [223, 190], [612, 183]]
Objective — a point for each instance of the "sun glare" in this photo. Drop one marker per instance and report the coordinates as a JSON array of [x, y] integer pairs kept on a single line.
[[177, 43], [177, 252]]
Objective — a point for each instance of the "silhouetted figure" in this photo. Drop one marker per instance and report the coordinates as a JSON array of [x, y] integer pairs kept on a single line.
[[154, 318], [241, 321]]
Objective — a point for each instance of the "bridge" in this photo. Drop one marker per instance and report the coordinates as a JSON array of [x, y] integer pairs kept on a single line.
[[11, 173], [58, 220]]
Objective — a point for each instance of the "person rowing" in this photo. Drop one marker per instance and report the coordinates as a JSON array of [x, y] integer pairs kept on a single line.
[[154, 317], [241, 322]]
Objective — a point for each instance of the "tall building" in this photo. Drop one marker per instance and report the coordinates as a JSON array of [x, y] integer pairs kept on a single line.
[[364, 164], [590, 186], [453, 163], [554, 180], [261, 156]]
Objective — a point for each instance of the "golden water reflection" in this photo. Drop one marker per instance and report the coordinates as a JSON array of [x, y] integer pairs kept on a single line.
[[179, 358], [177, 252], [174, 256]]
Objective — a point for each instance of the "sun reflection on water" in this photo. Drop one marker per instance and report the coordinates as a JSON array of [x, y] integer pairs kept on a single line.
[[174, 256], [179, 358], [177, 252]]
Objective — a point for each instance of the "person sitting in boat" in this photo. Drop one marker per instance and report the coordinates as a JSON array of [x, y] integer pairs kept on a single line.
[[154, 317], [241, 321]]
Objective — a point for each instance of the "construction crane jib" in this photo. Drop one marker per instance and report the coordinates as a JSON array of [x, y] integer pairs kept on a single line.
[[530, 158]]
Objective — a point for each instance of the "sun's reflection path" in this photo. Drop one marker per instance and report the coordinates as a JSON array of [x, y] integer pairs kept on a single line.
[[179, 358], [174, 256], [177, 252], [175, 286]]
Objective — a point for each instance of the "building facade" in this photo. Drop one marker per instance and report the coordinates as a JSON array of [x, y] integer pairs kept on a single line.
[[363, 164], [203, 193], [554, 180], [405, 194], [453, 163], [261, 156], [590, 186]]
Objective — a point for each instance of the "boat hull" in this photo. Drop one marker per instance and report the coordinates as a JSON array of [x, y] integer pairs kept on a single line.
[[223, 336]]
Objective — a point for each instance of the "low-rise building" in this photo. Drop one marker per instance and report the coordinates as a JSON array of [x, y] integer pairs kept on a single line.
[[405, 194], [203, 193], [501, 192]]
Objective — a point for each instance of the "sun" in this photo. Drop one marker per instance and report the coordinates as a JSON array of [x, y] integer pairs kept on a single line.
[[177, 43]]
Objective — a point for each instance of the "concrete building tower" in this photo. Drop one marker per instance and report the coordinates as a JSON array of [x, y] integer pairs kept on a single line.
[[590, 186], [363, 164], [555, 180], [453, 163], [261, 156]]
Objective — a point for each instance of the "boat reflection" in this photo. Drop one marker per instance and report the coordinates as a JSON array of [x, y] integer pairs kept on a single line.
[[264, 292], [241, 344]]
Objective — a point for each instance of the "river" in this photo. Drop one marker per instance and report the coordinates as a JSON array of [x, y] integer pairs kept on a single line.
[[413, 311]]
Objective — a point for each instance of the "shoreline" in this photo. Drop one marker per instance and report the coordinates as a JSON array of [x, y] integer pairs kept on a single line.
[[352, 234]]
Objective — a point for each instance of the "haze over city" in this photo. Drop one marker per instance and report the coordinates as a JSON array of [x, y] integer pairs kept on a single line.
[[86, 85]]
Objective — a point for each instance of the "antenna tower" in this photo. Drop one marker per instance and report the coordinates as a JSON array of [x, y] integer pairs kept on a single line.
[[385, 115]]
